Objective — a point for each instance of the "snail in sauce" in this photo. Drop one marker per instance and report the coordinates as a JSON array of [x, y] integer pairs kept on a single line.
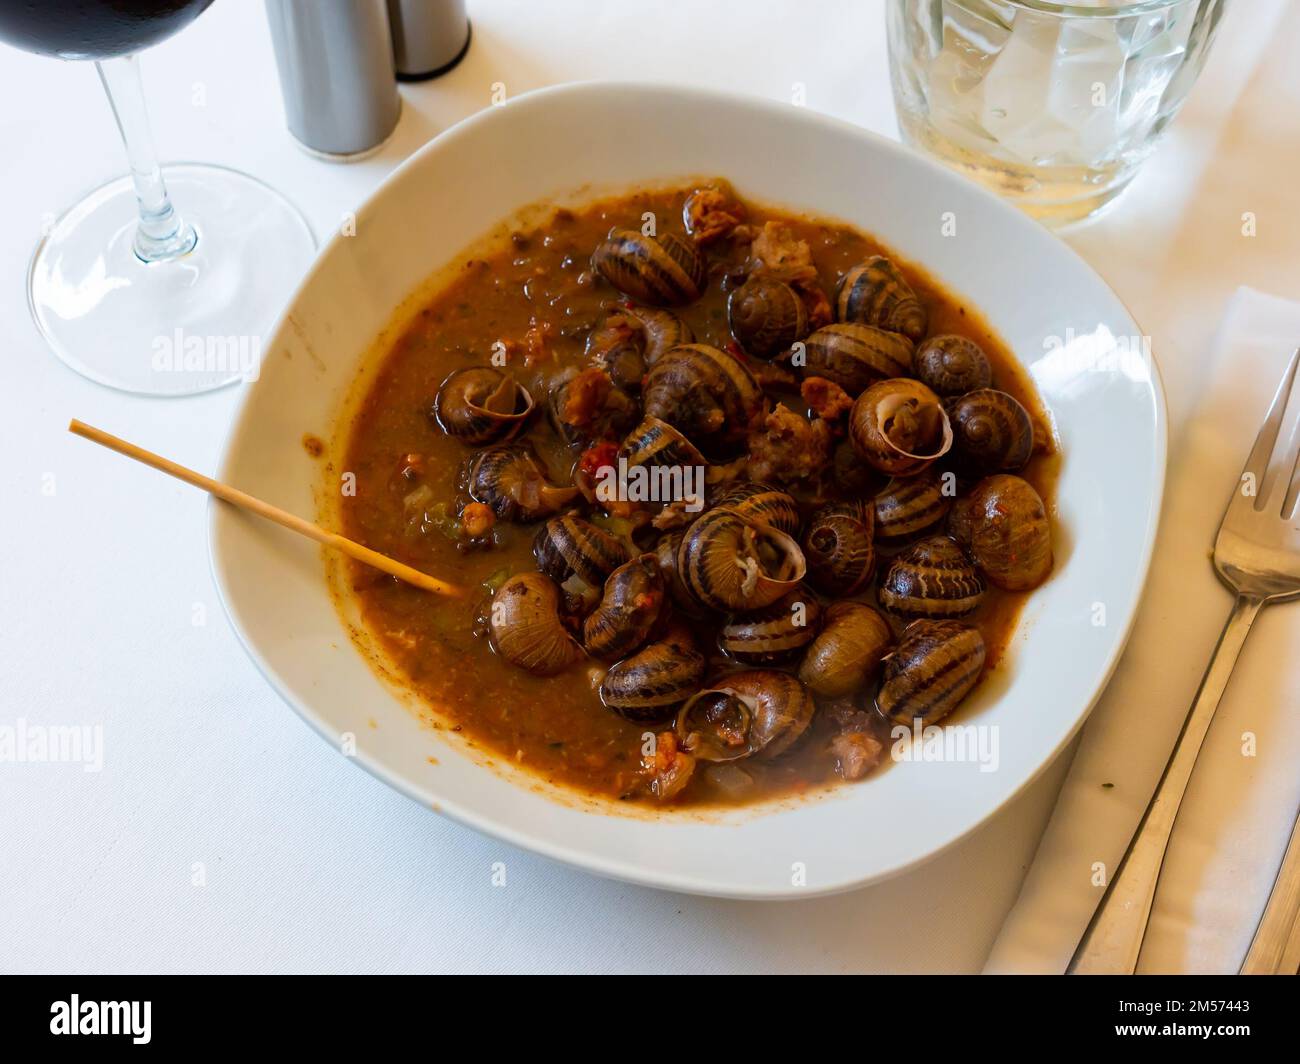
[[900, 427], [952, 365], [1004, 525], [742, 492]]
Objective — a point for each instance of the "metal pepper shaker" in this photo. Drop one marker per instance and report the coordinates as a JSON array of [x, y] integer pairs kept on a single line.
[[429, 36], [337, 76]]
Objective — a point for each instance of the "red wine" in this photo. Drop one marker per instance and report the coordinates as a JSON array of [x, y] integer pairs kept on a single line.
[[93, 29]]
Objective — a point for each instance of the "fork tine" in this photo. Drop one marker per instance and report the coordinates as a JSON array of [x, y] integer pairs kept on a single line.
[[1257, 463], [1285, 447]]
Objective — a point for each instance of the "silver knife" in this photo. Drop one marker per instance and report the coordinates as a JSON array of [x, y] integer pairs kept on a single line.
[[1280, 924]]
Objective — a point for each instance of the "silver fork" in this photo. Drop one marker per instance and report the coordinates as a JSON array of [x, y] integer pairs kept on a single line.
[[1257, 555]]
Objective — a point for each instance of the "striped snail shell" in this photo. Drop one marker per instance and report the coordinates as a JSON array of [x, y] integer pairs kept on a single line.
[[780, 708], [908, 508], [874, 293], [952, 365], [567, 546], [704, 392], [526, 627], [991, 432], [729, 562], [481, 405], [899, 426], [934, 666], [932, 578], [657, 443], [513, 482], [666, 555], [662, 329], [761, 502], [646, 687], [758, 711], [766, 316], [854, 356], [663, 271], [853, 639], [630, 607], [1004, 524], [839, 546], [773, 633], [714, 725]]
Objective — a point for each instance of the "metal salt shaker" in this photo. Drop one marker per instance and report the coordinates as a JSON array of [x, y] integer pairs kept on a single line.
[[429, 36], [337, 76]]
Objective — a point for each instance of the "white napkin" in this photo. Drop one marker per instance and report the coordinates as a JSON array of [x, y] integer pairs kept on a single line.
[[1243, 798]]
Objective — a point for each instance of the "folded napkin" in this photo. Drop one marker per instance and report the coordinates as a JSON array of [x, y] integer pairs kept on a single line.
[[1241, 804]]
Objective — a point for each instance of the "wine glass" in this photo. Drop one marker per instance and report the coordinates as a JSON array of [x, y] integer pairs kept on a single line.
[[133, 291]]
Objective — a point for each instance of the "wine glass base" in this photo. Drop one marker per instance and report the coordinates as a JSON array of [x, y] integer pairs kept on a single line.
[[180, 326]]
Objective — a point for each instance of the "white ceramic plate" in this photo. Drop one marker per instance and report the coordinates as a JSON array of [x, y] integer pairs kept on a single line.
[[1065, 325]]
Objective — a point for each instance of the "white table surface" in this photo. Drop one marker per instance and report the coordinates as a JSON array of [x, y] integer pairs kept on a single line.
[[110, 617]]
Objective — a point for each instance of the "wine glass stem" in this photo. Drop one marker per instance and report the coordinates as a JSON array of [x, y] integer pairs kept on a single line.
[[162, 233]]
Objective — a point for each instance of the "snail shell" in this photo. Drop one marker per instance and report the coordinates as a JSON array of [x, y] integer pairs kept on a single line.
[[605, 411], [853, 639], [875, 293], [839, 548], [526, 627], [991, 432], [510, 479], [1005, 526], [663, 330], [630, 607], [766, 316], [934, 667], [657, 443], [855, 356], [729, 562], [932, 578], [755, 500], [625, 363], [663, 271], [773, 633], [481, 405], [714, 726], [908, 508], [666, 555], [952, 365], [705, 393], [899, 426], [568, 546], [645, 687], [780, 708]]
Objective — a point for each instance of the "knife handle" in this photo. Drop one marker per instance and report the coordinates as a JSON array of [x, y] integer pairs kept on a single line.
[[1113, 941], [1280, 920]]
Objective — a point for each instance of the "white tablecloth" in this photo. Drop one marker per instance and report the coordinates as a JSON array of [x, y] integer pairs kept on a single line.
[[222, 835]]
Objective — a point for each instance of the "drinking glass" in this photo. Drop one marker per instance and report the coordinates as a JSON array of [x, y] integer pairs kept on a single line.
[[1054, 106], [130, 289]]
